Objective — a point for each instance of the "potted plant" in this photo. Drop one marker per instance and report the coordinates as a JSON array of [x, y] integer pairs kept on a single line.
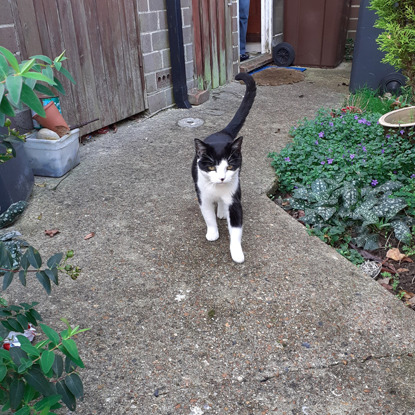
[[19, 85]]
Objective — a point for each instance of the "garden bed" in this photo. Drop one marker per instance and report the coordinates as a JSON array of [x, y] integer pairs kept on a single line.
[[352, 184], [396, 275]]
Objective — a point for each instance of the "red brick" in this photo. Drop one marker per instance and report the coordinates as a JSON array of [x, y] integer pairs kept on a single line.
[[197, 97]]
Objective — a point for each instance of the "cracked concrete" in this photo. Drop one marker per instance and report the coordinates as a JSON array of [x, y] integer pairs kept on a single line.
[[176, 327]]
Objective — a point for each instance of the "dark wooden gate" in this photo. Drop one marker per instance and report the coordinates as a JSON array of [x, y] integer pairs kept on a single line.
[[102, 43], [212, 24]]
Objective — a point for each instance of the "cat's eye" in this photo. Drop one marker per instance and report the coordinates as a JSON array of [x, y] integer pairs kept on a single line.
[[212, 168], [229, 167]]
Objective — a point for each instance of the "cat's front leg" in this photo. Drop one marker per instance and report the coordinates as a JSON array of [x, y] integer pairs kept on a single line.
[[208, 212], [222, 212], [235, 231], [235, 246]]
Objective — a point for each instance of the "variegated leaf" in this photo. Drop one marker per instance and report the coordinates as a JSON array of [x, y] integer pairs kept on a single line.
[[402, 231], [300, 193], [326, 212], [350, 197]]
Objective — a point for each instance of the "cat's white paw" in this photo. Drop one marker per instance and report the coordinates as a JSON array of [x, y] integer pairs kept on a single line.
[[212, 234], [237, 253]]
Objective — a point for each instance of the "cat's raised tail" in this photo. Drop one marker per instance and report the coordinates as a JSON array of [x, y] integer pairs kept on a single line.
[[239, 118]]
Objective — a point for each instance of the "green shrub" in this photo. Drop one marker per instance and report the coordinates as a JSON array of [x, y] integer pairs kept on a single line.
[[34, 379], [396, 19]]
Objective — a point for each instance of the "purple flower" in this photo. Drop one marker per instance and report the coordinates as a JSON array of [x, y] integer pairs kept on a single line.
[[351, 156], [412, 176], [331, 124], [383, 150], [364, 149], [374, 182], [321, 134], [287, 159], [330, 161], [323, 162], [402, 132], [316, 142], [356, 117], [388, 136]]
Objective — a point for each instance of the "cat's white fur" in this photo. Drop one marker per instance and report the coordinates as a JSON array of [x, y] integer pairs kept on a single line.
[[216, 191]]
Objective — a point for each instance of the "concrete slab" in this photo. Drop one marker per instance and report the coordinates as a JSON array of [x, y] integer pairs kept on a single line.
[[176, 326]]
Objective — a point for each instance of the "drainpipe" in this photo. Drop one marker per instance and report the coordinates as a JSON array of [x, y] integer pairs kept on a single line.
[[178, 70]]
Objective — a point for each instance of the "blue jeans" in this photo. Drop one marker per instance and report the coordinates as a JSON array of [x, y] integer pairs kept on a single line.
[[243, 24]]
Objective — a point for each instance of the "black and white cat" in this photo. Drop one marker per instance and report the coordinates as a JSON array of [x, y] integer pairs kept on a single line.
[[215, 171]]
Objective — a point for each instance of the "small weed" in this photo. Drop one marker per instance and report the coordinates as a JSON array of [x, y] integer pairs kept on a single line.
[[211, 314], [393, 279]]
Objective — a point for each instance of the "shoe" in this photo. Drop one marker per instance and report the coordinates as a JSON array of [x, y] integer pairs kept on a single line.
[[244, 57]]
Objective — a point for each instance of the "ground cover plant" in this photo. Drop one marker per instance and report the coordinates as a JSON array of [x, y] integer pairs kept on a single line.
[[352, 184]]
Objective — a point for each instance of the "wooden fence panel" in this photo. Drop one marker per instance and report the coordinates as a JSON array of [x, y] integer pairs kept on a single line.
[[221, 41], [102, 43], [212, 31]]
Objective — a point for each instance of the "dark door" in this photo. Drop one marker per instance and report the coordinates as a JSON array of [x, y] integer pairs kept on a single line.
[[254, 22]]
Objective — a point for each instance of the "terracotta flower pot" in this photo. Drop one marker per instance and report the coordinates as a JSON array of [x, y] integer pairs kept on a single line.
[[53, 120]]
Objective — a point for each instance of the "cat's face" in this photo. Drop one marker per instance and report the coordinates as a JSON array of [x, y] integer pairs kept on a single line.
[[219, 163]]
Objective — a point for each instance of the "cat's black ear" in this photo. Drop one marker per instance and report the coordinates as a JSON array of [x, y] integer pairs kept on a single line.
[[201, 147], [237, 144]]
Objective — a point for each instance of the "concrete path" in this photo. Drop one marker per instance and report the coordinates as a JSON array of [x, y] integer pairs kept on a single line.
[[176, 326]]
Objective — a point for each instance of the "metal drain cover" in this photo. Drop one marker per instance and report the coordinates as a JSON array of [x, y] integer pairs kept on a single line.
[[191, 122]]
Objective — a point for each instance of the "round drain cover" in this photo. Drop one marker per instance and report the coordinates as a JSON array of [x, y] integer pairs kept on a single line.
[[191, 122]]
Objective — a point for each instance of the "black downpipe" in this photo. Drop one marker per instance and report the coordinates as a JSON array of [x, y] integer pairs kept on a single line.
[[178, 69]]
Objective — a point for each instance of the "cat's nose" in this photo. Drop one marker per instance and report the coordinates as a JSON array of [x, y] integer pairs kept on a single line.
[[222, 179]]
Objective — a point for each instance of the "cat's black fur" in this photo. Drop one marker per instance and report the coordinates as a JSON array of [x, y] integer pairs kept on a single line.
[[215, 172]]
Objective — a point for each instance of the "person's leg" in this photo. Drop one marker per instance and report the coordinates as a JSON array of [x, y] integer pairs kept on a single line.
[[243, 25]]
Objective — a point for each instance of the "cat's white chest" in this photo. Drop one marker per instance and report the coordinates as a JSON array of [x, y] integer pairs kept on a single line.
[[214, 191]]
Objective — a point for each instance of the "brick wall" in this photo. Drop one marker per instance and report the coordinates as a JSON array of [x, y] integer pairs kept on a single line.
[[353, 18], [156, 52]]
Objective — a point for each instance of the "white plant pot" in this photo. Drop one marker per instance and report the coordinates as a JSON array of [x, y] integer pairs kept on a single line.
[[53, 158], [401, 118]]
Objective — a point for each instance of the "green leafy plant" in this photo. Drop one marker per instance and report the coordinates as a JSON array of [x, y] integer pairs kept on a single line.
[[393, 279], [340, 212], [366, 100], [407, 192], [34, 379], [20, 83], [343, 141], [396, 19]]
